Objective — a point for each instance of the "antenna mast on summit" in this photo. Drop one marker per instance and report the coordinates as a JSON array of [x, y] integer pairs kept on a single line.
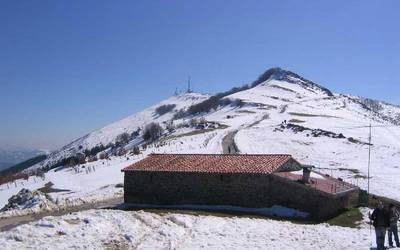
[[189, 90]]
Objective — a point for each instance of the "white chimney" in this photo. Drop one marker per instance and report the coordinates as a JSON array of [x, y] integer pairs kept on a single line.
[[306, 174]]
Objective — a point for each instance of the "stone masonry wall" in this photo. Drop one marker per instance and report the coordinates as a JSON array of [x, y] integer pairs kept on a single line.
[[306, 198], [246, 190], [174, 188]]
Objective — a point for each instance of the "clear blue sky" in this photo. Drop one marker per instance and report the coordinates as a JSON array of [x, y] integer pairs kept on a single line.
[[70, 67]]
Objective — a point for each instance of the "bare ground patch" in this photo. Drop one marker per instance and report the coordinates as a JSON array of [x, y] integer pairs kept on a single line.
[[48, 188], [296, 121], [283, 88], [194, 132], [245, 111], [312, 115]]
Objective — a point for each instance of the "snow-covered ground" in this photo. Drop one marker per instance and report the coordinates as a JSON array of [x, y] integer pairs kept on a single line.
[[260, 129], [111, 229], [337, 156], [258, 123], [78, 187]]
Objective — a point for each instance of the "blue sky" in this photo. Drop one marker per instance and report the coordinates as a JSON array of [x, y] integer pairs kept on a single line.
[[70, 67]]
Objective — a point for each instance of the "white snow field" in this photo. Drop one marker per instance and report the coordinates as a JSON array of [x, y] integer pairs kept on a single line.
[[326, 130], [111, 229], [98, 185], [258, 125]]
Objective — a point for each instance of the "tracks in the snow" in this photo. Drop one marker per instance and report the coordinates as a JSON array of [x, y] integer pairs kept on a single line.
[[228, 143]]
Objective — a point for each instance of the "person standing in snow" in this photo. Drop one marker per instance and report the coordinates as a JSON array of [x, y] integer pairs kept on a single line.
[[380, 220], [393, 218]]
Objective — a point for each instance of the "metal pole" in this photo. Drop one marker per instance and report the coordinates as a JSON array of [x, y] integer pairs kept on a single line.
[[369, 161], [189, 90]]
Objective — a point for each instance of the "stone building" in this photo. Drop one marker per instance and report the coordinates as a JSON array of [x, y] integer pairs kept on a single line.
[[255, 181]]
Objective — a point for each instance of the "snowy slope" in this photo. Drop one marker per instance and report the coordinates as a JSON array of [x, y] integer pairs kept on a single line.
[[340, 114], [109, 133], [334, 136], [331, 134]]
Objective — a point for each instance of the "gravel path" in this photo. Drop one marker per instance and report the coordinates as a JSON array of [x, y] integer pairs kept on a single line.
[[228, 143]]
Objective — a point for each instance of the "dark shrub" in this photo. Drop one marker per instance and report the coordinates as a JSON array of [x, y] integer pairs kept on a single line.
[[163, 109], [180, 114], [152, 131], [95, 150], [136, 150], [122, 139], [214, 101], [170, 126], [135, 134], [103, 156]]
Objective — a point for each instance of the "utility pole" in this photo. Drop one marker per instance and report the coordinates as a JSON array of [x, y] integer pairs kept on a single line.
[[369, 161]]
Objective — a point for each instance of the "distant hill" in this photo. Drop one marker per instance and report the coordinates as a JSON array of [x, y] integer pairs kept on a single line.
[[4, 165], [11, 155], [22, 166]]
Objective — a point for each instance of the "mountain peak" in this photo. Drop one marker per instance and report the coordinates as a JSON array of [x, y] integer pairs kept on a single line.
[[280, 74], [267, 75]]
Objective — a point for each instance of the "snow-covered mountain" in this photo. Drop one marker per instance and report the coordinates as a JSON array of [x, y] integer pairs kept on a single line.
[[316, 119], [108, 135], [281, 112]]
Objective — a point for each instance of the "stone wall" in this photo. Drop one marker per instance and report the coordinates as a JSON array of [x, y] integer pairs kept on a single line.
[[246, 190], [306, 198], [174, 188]]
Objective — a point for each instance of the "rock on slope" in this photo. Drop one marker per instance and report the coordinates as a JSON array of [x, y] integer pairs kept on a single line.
[[28, 200]]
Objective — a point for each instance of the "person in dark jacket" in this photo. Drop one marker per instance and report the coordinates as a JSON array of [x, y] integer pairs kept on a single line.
[[393, 218], [380, 220]]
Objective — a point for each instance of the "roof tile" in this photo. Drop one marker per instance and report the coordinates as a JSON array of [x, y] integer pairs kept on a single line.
[[211, 163]]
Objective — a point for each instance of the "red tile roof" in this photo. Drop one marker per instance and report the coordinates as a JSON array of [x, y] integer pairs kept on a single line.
[[325, 184], [211, 163]]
